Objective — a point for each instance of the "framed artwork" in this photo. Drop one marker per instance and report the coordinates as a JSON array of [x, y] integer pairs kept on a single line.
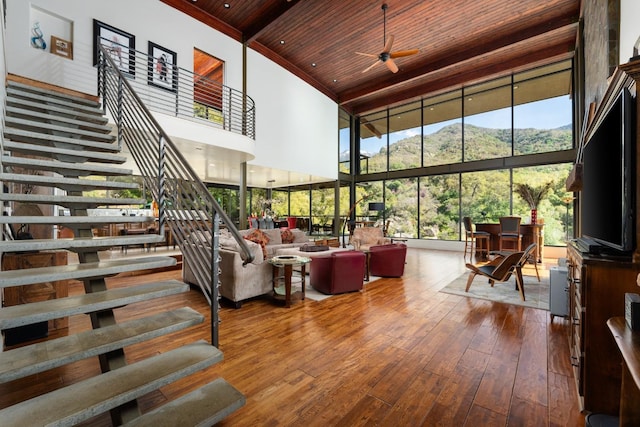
[[162, 70], [120, 45], [61, 47]]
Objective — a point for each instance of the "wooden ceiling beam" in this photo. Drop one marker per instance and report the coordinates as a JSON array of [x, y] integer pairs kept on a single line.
[[266, 19], [550, 54], [568, 21], [190, 9]]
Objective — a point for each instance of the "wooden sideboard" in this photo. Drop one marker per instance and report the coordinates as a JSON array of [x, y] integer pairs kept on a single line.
[[530, 233], [597, 286], [37, 292], [629, 344]]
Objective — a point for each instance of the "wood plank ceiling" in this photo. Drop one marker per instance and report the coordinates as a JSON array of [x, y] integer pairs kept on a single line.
[[460, 41]]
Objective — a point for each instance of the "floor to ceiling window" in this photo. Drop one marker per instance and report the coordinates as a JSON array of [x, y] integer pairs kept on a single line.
[[474, 133]]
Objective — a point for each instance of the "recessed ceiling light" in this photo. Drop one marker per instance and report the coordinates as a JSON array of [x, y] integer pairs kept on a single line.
[[227, 5], [281, 41], [469, 99], [335, 80], [313, 64]]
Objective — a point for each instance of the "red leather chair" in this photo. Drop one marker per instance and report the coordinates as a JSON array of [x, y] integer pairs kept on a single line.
[[387, 260], [341, 272]]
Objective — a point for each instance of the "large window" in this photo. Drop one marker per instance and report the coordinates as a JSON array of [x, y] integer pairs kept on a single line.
[[439, 198], [487, 120], [442, 130], [460, 153], [405, 137], [344, 142], [542, 112]]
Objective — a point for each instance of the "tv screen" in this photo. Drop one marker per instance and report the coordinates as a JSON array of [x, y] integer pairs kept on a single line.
[[607, 198]]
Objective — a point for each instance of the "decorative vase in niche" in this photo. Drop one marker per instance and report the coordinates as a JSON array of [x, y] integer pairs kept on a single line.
[[534, 216]]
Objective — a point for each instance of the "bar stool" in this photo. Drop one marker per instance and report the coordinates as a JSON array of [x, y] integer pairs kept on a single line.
[[475, 240], [510, 232]]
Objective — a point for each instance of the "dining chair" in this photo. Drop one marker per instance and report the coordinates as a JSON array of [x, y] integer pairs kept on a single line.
[[477, 241], [510, 233]]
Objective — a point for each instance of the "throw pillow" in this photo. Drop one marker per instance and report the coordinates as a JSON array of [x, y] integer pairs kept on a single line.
[[258, 236], [286, 235]]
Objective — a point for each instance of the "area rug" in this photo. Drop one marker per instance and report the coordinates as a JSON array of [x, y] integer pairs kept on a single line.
[[536, 293]]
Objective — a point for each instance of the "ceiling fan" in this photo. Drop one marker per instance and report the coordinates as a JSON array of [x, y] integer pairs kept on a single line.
[[386, 56]]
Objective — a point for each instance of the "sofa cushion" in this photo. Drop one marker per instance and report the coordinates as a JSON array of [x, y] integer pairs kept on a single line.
[[230, 244], [299, 236], [286, 236], [259, 237], [274, 236]]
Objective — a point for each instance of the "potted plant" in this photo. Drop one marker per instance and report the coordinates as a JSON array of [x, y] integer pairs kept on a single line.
[[533, 196]]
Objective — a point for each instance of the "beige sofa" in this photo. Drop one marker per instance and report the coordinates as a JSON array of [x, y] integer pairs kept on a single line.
[[240, 282]]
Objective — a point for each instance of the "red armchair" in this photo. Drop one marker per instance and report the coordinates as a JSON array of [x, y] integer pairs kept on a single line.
[[341, 272], [387, 260]]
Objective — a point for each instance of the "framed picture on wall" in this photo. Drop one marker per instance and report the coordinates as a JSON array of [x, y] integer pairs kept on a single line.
[[162, 70], [120, 45]]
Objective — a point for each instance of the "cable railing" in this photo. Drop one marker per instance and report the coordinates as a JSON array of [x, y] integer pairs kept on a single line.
[[184, 203], [175, 91]]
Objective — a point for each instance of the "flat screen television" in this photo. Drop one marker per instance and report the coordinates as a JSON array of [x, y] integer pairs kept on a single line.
[[608, 189]]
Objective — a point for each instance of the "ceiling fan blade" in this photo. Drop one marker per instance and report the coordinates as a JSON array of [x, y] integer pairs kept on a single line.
[[402, 53], [387, 46], [391, 65], [371, 55], [370, 66]]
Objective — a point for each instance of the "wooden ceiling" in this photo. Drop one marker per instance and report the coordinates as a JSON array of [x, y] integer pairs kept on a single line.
[[460, 41]]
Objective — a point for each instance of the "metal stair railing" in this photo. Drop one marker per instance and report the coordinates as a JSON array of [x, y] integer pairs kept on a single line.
[[185, 205], [184, 94]]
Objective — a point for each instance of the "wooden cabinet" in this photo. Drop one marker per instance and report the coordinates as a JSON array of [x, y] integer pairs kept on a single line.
[[37, 292], [597, 288]]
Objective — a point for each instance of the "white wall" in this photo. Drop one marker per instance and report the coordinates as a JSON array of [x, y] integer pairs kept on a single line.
[[629, 28], [147, 20], [296, 126]]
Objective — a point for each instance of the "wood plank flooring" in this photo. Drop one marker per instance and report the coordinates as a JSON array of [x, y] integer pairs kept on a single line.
[[399, 353]]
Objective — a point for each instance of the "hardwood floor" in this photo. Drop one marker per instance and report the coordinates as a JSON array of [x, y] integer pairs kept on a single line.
[[399, 353]]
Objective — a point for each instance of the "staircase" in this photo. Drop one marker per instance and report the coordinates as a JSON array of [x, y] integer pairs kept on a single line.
[[55, 142]]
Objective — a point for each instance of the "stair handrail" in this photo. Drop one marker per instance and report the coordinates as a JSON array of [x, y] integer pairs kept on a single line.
[[184, 203]]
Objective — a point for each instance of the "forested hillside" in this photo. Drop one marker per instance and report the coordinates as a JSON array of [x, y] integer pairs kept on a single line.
[[485, 196]]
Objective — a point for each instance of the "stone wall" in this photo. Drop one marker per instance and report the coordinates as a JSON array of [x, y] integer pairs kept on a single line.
[[601, 42]]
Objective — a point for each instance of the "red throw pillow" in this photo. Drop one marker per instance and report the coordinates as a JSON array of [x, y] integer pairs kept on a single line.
[[286, 235], [260, 238]]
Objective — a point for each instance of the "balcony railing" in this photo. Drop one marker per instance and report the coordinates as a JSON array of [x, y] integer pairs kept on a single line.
[[175, 91]]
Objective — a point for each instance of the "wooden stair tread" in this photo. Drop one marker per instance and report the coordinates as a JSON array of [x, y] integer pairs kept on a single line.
[[205, 406], [83, 400], [28, 360], [81, 271], [26, 314]]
